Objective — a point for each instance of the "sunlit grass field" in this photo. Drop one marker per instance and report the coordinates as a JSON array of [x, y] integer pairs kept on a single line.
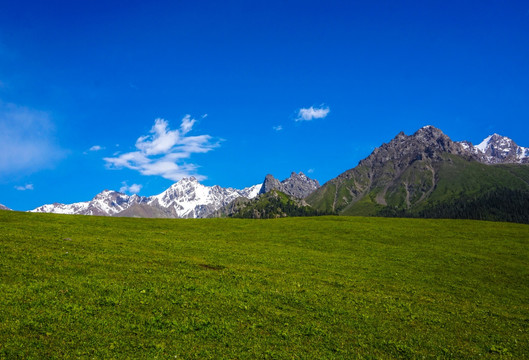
[[294, 288]]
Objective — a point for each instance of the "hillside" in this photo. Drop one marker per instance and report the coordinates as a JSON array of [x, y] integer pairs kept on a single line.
[[420, 174], [328, 287], [270, 205]]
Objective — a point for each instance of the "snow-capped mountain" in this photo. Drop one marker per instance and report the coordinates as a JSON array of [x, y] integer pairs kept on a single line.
[[190, 199], [106, 203], [3, 207], [185, 199], [497, 149]]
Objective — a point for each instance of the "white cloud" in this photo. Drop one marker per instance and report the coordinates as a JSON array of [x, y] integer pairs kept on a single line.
[[27, 141], [96, 148], [277, 128], [307, 114], [163, 151], [132, 189], [24, 187], [310, 171], [187, 124]]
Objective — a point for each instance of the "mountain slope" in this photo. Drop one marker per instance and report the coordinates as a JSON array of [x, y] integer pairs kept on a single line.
[[412, 173], [271, 205], [3, 207]]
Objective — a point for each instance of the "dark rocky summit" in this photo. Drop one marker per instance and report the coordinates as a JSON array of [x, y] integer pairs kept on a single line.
[[297, 185]]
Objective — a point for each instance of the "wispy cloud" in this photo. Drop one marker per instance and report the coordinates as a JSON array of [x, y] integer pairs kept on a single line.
[[163, 151], [24, 187], [94, 148], [27, 141], [308, 114], [310, 171], [132, 189], [277, 128]]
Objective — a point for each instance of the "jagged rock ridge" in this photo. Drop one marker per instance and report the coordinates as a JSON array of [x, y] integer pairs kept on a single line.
[[297, 185], [291, 191]]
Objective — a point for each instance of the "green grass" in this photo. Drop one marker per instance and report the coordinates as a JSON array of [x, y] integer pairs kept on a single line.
[[307, 288], [458, 176]]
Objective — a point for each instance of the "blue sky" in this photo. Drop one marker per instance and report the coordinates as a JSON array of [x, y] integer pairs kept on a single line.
[[134, 95]]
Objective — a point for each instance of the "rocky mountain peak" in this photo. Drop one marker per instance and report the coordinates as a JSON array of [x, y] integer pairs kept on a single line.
[[430, 133], [406, 171], [297, 185], [428, 142], [270, 183], [106, 194], [497, 149], [187, 180]]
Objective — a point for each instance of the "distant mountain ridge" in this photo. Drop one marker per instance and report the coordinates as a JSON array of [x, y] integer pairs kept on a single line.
[[186, 198], [418, 172], [3, 207]]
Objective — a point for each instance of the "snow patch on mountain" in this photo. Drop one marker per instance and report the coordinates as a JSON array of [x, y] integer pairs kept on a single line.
[[56, 208], [484, 144]]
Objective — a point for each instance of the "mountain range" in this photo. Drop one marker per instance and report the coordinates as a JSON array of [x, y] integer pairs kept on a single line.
[[2, 207], [424, 174], [186, 198]]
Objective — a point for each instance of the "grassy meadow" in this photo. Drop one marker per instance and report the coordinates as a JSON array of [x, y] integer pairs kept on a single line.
[[294, 288]]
